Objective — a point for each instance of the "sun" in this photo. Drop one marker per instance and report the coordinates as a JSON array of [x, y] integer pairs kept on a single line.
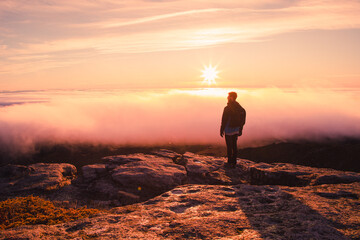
[[209, 74]]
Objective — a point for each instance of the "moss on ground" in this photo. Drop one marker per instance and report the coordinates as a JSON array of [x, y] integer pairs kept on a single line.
[[33, 210]]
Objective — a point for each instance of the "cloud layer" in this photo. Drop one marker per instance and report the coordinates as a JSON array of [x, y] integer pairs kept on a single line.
[[173, 116]]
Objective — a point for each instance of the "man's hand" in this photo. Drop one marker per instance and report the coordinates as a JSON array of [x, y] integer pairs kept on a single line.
[[221, 134]]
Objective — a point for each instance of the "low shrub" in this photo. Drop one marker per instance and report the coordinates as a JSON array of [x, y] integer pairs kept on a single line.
[[33, 210]]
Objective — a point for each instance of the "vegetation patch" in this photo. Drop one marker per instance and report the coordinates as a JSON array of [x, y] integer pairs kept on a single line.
[[33, 210]]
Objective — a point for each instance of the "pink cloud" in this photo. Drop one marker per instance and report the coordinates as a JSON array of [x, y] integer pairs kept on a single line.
[[176, 116]]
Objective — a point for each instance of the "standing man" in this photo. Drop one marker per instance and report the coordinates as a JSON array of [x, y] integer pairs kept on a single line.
[[232, 122]]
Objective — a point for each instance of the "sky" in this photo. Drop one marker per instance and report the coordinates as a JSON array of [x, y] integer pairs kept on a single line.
[[48, 44]]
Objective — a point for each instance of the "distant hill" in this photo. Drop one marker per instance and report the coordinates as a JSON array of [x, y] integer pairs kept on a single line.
[[341, 155]]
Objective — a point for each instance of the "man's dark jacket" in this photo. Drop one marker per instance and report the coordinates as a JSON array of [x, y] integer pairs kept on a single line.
[[236, 114]]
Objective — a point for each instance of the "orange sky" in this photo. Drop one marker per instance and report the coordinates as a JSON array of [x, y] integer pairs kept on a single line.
[[150, 44]]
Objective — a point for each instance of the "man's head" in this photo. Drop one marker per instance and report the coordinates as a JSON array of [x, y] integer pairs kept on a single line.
[[232, 96]]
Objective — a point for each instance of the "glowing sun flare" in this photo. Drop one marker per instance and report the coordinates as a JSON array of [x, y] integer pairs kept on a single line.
[[209, 74]]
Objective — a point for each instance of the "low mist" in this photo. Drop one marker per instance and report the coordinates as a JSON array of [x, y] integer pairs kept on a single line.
[[151, 117]]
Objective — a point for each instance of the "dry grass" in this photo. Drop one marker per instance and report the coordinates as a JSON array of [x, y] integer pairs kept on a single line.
[[33, 210]]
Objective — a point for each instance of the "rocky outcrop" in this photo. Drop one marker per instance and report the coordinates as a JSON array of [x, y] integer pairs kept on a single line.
[[35, 177], [220, 212], [294, 175], [131, 178], [189, 196], [142, 176], [125, 179]]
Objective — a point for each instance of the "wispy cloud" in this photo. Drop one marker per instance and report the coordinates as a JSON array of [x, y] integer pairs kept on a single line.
[[159, 17], [49, 28]]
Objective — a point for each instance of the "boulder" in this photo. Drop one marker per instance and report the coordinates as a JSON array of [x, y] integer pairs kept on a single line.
[[36, 177], [14, 171], [151, 174], [50, 176]]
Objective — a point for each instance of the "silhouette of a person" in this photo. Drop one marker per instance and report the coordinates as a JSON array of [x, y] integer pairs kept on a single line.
[[232, 122]]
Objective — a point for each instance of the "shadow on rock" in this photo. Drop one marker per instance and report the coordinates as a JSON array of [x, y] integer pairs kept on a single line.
[[273, 212]]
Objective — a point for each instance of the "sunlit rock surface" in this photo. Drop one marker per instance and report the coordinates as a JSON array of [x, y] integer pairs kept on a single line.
[[166, 195], [228, 212]]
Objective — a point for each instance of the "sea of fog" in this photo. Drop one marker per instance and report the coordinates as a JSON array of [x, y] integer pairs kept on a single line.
[[173, 116]]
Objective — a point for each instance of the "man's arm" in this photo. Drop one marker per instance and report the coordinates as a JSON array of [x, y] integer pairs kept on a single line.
[[224, 120], [243, 116]]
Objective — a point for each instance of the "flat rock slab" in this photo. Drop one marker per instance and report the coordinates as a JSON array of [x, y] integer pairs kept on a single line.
[[221, 212], [35, 177], [202, 169], [151, 173], [294, 175]]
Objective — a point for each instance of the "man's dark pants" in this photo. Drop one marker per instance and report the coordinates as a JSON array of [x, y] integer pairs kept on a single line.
[[231, 144]]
